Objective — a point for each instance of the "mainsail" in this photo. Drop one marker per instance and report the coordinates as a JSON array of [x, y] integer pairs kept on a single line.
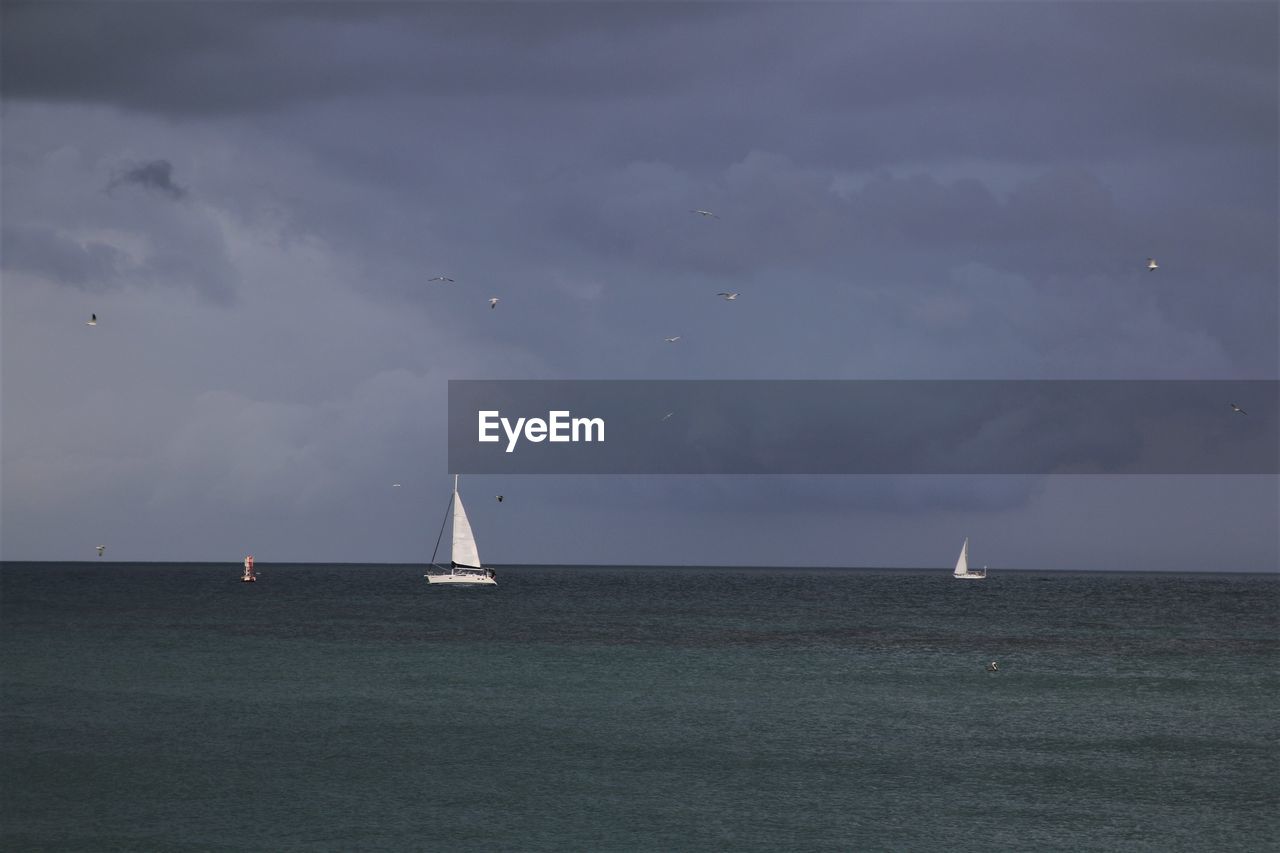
[[464, 542], [962, 564]]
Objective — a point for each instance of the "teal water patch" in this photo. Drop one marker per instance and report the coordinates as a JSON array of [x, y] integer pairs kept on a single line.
[[354, 707]]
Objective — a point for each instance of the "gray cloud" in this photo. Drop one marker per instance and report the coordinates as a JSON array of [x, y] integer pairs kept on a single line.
[[44, 250], [208, 60], [872, 82], [156, 175], [62, 227]]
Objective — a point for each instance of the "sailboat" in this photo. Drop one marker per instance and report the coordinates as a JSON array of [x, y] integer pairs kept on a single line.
[[248, 576], [962, 566], [464, 564]]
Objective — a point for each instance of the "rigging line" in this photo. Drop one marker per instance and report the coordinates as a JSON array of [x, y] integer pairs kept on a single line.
[[445, 521]]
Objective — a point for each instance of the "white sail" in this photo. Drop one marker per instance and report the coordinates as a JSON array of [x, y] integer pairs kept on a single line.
[[464, 542], [962, 564]]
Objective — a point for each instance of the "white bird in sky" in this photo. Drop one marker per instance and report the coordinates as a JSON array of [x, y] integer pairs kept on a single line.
[[706, 213], [1238, 410], [727, 295], [672, 340], [1152, 266], [493, 301], [92, 321], [101, 548], [395, 485], [440, 278], [667, 415]]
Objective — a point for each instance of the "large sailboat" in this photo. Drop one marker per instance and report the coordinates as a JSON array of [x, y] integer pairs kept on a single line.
[[464, 563], [962, 566]]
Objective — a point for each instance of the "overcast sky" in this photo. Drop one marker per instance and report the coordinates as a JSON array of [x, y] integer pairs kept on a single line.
[[252, 198]]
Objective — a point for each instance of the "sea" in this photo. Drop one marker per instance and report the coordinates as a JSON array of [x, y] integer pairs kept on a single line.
[[170, 707]]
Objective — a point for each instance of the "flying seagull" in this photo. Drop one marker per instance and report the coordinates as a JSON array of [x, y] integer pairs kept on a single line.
[[672, 340], [667, 415], [440, 278], [994, 666], [706, 213], [1152, 266], [101, 548], [499, 498], [1238, 410], [92, 321], [493, 301], [727, 295], [395, 485]]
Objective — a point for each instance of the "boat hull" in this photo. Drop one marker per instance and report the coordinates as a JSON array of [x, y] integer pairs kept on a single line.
[[970, 577], [462, 579]]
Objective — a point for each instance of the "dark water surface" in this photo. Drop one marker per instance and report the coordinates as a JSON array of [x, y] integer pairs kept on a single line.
[[170, 707]]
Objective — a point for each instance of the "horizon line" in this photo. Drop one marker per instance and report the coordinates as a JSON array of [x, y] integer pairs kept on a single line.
[[931, 569]]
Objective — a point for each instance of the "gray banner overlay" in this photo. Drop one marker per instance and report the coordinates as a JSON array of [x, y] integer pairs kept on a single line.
[[866, 427]]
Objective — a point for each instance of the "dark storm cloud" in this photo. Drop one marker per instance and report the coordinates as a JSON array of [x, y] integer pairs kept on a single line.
[[904, 189], [215, 58], [580, 134], [144, 56], [844, 83], [156, 175], [581, 90]]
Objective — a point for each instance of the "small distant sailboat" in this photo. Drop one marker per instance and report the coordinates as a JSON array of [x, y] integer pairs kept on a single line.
[[248, 576], [962, 566], [464, 564]]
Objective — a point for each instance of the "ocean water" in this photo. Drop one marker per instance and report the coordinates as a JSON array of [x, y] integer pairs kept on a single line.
[[351, 708]]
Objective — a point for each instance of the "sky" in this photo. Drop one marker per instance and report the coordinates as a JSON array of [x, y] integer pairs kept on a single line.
[[253, 196]]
